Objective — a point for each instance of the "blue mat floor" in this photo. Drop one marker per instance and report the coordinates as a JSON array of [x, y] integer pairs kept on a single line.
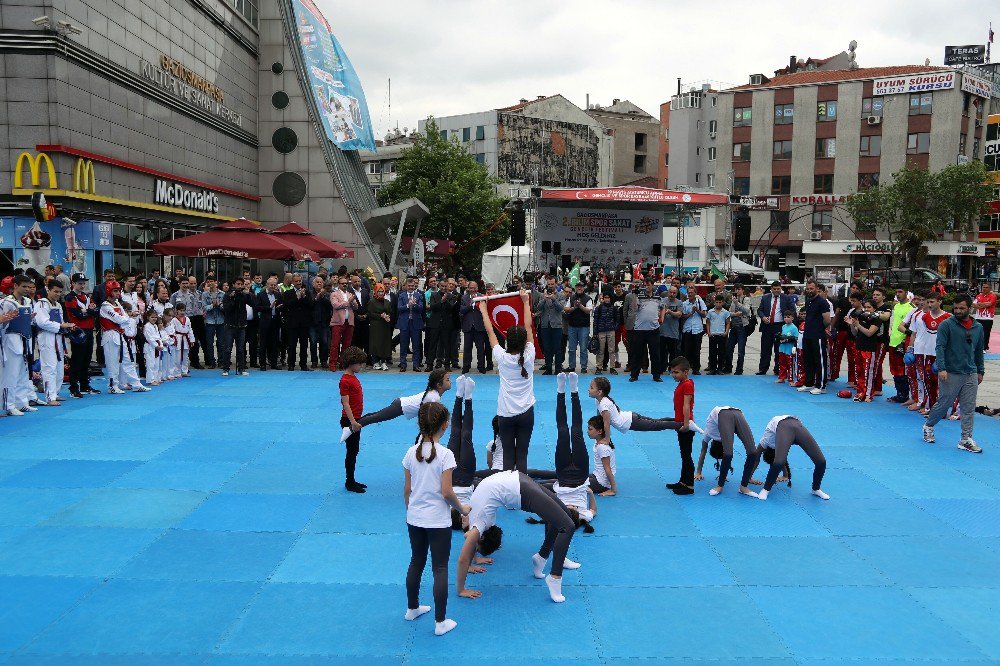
[[206, 522]]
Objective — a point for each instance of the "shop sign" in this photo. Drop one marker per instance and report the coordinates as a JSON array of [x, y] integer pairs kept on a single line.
[[222, 252], [819, 199], [973, 54], [896, 85], [977, 86], [754, 203], [868, 247], [192, 88], [167, 193], [968, 249]]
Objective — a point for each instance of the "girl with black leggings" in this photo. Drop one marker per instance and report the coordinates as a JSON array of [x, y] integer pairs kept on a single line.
[[779, 436], [428, 493], [723, 423]]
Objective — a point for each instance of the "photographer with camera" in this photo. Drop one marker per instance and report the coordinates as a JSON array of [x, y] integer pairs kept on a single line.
[[234, 308]]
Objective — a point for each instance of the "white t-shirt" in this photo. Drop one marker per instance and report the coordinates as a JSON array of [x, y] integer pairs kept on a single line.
[[573, 495], [517, 393], [411, 403], [712, 424], [620, 421], [767, 439], [496, 446], [602, 451], [428, 507], [499, 490]]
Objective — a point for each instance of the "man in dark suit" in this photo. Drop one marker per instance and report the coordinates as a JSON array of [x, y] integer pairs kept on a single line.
[[410, 307], [265, 308], [473, 330], [363, 294], [450, 324], [771, 313], [297, 316]]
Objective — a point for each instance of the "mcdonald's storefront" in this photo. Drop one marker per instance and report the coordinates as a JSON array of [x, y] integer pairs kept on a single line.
[[107, 214]]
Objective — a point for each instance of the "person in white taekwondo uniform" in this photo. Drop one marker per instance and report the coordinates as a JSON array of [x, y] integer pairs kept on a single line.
[[50, 323], [128, 375], [113, 318], [16, 314]]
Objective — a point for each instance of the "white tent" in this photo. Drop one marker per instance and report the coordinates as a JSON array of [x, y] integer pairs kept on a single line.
[[740, 266], [496, 264]]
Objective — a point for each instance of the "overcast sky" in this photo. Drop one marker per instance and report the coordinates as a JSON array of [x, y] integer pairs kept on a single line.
[[459, 56]]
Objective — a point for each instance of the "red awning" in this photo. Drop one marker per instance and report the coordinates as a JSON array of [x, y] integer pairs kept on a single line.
[[240, 239], [635, 195], [321, 247]]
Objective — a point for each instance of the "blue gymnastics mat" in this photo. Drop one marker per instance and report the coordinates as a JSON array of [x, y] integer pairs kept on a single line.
[[207, 523]]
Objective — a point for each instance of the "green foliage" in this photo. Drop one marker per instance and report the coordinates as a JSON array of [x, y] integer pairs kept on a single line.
[[919, 206], [458, 191]]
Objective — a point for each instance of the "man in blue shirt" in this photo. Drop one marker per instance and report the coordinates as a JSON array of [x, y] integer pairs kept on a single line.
[[814, 348], [692, 329]]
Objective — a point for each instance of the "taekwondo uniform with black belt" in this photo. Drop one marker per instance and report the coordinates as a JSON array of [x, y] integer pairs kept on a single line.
[[128, 375], [168, 357], [51, 346], [113, 318], [151, 348], [183, 340], [18, 390]]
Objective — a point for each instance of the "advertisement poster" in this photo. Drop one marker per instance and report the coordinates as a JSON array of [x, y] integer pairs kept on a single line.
[[600, 237], [58, 242], [334, 83]]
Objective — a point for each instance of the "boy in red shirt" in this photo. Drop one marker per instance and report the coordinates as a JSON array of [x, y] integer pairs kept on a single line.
[[680, 369], [352, 399]]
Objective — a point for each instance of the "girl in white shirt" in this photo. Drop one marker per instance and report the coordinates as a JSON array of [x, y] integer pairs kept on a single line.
[[516, 399], [168, 357], [438, 383], [722, 424], [152, 348], [779, 436], [613, 417], [428, 493]]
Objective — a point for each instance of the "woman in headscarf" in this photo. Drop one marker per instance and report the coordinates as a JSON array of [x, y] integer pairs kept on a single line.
[[380, 328]]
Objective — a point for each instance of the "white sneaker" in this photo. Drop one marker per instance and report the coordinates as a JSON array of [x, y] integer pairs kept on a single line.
[[968, 445], [14, 411], [225, 373], [116, 391], [245, 373], [803, 389], [29, 408], [42, 401], [818, 391], [142, 389], [928, 434]]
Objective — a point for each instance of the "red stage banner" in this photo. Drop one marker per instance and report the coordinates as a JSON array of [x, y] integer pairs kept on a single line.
[[506, 310], [635, 195]]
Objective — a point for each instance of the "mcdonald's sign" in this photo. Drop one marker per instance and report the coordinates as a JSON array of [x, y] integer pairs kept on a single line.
[[83, 177], [34, 170]]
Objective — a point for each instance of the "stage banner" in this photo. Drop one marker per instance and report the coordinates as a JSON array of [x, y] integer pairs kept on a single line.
[[335, 85], [598, 237], [506, 310]]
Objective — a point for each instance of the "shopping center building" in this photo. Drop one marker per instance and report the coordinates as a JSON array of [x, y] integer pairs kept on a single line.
[[142, 121]]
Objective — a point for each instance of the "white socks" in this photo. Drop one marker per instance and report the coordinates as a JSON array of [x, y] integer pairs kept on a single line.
[[470, 386], [820, 494], [555, 589], [344, 434], [714, 491], [574, 382], [762, 494], [414, 613], [442, 628], [570, 564], [460, 387], [749, 493], [537, 565], [561, 382]]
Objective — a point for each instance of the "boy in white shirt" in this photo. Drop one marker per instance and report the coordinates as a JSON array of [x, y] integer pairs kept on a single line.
[[128, 374]]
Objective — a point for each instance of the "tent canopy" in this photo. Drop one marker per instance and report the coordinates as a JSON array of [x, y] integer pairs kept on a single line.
[[240, 239], [320, 247], [740, 266], [496, 264]]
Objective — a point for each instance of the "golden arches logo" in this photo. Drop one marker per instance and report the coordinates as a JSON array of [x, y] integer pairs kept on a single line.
[[83, 177], [34, 170]]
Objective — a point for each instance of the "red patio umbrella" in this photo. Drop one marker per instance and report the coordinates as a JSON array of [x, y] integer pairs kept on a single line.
[[296, 233], [240, 239]]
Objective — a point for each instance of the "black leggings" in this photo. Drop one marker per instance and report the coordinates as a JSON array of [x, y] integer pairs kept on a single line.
[[460, 444], [558, 523], [732, 421], [791, 431], [515, 434], [438, 541], [388, 413], [353, 448], [642, 423], [572, 463]]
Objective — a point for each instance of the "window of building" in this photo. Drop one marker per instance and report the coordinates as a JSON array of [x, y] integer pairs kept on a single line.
[[481, 158], [990, 222], [961, 143], [779, 220], [710, 179], [713, 126], [782, 150], [640, 141], [867, 180], [975, 148], [711, 153], [741, 152], [741, 186], [781, 184], [247, 9], [697, 177], [666, 159], [639, 164], [742, 117], [826, 111], [389, 166], [917, 144], [823, 183], [783, 114], [466, 134], [480, 132], [373, 167], [871, 146], [697, 150], [444, 134], [822, 220], [714, 101], [921, 103], [826, 148], [871, 106]]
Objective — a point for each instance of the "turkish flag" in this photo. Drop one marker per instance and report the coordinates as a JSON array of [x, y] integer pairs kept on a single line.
[[506, 310]]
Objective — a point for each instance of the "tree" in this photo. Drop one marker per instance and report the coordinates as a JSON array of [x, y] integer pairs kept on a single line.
[[458, 191], [918, 206]]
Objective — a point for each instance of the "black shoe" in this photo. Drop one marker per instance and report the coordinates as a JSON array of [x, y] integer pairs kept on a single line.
[[199, 366], [358, 483], [306, 369], [402, 368], [633, 379], [483, 372], [761, 373], [683, 490], [76, 394], [738, 372], [658, 379], [672, 486], [91, 391], [546, 372], [255, 365], [262, 368], [354, 488]]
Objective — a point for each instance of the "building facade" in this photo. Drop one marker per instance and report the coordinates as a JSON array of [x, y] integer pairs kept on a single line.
[[635, 143]]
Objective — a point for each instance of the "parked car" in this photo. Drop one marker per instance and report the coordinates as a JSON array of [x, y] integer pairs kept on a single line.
[[915, 278]]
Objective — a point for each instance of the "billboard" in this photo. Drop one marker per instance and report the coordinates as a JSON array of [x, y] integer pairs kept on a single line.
[[600, 237], [332, 81], [991, 147], [72, 244], [895, 85], [973, 54]]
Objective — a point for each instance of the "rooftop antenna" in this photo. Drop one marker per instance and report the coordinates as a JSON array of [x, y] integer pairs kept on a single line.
[[852, 54]]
